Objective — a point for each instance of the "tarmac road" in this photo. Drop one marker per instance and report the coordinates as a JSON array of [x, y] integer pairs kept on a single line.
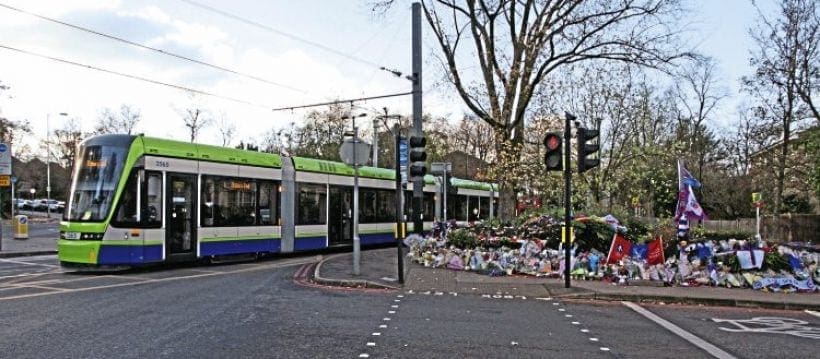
[[258, 310]]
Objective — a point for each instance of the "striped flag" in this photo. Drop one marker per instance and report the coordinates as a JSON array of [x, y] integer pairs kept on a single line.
[[687, 203]]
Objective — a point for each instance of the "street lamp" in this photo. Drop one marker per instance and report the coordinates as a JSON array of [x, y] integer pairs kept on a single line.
[[353, 152], [32, 191], [48, 164]]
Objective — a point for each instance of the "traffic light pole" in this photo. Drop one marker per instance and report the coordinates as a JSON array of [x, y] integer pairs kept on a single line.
[[399, 209], [418, 182], [567, 235]]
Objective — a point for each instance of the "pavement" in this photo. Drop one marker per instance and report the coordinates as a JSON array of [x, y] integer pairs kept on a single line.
[[379, 269], [32, 246]]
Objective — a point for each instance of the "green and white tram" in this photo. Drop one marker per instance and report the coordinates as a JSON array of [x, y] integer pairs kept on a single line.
[[139, 200]]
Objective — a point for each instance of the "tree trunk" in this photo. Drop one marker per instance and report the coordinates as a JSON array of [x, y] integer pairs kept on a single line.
[[505, 172]]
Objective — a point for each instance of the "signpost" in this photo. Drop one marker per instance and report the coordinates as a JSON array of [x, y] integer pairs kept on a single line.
[[442, 168], [355, 152], [757, 200], [5, 179], [403, 159]]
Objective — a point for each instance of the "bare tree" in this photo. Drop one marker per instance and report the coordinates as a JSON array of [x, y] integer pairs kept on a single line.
[[474, 137], [124, 121], [786, 73], [321, 135], [65, 142], [226, 129], [699, 92], [195, 116], [195, 120], [517, 44]]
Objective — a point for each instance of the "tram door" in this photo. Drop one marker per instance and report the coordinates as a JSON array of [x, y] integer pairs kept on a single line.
[[340, 216], [180, 236]]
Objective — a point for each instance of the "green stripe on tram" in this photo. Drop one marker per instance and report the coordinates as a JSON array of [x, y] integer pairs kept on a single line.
[[243, 238], [132, 242], [375, 231], [310, 234]]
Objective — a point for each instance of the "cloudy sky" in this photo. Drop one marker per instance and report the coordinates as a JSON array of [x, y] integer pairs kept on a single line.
[[310, 51]]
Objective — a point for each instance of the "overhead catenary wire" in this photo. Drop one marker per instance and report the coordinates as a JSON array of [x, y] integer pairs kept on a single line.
[[134, 77], [343, 101], [183, 88], [164, 52], [281, 33]]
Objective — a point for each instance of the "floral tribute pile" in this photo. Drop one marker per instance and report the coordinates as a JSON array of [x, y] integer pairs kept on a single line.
[[602, 251]]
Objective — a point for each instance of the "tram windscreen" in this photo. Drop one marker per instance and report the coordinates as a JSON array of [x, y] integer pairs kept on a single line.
[[97, 172]]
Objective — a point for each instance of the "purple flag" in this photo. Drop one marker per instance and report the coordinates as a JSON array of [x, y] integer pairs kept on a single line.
[[687, 203]]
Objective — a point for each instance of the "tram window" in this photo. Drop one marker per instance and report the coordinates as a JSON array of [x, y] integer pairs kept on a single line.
[[228, 201], [268, 203], [473, 205], [429, 204], [152, 202], [484, 208], [149, 204], [127, 209], [457, 207], [311, 204], [207, 212], [377, 205], [367, 205], [386, 206]]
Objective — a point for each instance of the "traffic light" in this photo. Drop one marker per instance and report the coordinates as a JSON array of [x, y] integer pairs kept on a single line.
[[418, 167], [586, 150], [552, 159]]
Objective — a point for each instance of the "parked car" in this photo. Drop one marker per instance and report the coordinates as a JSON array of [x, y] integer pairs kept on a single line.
[[38, 204], [56, 206], [20, 203], [52, 205]]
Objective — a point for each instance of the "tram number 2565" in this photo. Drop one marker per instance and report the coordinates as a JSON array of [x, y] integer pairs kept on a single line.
[[162, 164]]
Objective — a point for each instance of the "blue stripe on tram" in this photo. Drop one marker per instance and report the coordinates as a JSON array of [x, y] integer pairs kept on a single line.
[[376, 238], [307, 243], [240, 246]]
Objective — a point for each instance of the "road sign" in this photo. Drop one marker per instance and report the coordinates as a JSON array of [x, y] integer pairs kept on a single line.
[[5, 181], [403, 159], [5, 159]]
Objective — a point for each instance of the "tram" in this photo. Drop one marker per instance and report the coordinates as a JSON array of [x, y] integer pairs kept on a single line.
[[139, 200]]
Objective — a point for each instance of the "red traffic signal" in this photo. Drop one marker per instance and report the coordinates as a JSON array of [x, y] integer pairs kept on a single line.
[[552, 158]]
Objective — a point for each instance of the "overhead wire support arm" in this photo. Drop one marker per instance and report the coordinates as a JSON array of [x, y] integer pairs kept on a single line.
[[342, 101]]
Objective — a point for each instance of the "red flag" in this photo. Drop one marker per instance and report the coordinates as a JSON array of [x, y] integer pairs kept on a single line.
[[654, 253], [619, 249]]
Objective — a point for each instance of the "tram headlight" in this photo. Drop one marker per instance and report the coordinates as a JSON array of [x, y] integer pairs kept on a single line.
[[91, 236]]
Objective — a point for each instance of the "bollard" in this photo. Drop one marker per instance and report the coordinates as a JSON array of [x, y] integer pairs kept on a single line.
[[20, 227]]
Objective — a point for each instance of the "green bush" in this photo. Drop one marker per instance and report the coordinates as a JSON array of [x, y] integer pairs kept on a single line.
[[462, 238], [776, 262], [593, 234]]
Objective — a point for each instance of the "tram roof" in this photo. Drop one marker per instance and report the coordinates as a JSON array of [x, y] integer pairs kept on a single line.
[[179, 149]]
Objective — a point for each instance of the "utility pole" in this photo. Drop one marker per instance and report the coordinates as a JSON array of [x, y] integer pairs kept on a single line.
[[376, 140], [568, 118], [418, 182], [399, 202]]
